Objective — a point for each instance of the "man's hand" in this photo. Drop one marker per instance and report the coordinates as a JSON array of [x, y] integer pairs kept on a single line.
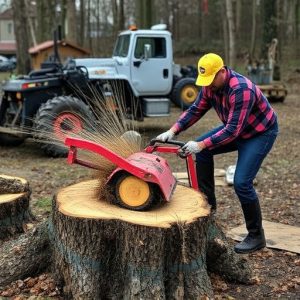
[[193, 147], [166, 136]]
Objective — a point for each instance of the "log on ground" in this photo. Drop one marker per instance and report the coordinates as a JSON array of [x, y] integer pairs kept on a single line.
[[101, 251], [14, 205]]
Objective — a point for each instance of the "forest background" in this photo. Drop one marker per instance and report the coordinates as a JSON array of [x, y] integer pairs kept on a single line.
[[239, 30]]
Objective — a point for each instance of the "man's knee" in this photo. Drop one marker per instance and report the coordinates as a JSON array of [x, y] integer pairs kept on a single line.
[[241, 186], [244, 189]]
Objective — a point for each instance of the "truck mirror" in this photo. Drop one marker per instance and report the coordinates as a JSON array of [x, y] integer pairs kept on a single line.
[[147, 51]]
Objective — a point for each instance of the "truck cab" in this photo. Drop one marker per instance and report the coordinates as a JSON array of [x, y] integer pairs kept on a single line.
[[144, 60]]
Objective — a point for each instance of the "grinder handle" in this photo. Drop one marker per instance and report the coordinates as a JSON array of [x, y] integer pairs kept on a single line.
[[172, 142]]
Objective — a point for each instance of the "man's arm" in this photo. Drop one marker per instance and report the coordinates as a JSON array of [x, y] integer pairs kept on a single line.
[[193, 113], [241, 103]]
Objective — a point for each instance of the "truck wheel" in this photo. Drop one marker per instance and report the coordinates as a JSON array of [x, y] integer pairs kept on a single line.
[[7, 139], [185, 92], [56, 119]]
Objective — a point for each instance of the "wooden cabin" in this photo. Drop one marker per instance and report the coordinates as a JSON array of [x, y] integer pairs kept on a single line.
[[41, 52]]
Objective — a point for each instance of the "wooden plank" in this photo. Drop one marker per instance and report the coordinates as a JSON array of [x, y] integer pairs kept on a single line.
[[278, 236], [182, 177]]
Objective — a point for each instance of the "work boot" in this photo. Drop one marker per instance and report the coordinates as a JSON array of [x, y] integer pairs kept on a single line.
[[206, 182], [255, 239]]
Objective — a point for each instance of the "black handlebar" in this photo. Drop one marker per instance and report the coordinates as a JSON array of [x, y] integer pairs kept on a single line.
[[172, 142]]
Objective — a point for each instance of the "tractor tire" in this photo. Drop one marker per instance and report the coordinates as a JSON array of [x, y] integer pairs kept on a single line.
[[184, 92], [6, 139], [133, 193], [56, 119]]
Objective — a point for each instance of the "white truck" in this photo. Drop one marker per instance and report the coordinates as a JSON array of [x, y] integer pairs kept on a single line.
[[144, 60]]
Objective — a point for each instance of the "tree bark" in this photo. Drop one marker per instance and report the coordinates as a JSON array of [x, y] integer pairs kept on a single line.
[[104, 251], [21, 34], [14, 206], [71, 21], [25, 256], [231, 33], [253, 31]]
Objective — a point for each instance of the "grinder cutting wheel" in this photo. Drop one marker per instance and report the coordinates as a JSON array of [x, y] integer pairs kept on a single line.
[[143, 177]]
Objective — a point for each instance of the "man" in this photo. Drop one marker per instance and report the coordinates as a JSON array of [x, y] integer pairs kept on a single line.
[[249, 127]]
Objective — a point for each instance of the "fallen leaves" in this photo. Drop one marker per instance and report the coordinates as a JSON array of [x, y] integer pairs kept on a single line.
[[43, 285]]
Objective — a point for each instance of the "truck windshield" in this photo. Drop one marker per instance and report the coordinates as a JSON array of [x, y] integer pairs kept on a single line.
[[122, 45]]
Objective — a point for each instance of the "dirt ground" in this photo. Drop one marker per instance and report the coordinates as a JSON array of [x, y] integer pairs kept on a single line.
[[276, 273]]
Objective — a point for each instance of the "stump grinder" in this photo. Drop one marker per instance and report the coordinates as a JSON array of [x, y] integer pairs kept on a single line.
[[141, 179]]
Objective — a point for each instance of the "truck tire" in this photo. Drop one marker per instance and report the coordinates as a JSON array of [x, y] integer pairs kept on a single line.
[[57, 118], [184, 92], [7, 139]]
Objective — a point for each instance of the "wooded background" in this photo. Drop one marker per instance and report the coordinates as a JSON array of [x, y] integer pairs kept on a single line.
[[236, 29]]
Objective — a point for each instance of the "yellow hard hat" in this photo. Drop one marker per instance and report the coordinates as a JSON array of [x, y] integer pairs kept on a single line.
[[208, 66]]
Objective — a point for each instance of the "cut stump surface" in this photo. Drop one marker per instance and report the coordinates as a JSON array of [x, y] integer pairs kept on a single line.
[[14, 205]]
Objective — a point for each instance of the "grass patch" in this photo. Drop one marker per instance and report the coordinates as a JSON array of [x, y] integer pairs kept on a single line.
[[44, 203]]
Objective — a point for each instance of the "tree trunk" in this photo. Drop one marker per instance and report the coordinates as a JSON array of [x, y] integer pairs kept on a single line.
[[81, 37], [101, 251], [225, 35], [14, 205], [253, 31], [21, 31], [231, 33], [46, 19], [71, 21]]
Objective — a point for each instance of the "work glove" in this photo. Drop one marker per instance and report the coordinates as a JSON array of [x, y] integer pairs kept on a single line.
[[166, 136], [191, 147]]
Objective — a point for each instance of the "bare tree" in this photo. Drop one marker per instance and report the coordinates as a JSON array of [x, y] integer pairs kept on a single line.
[[253, 31], [231, 33], [71, 21], [22, 33], [81, 37], [46, 19], [144, 12]]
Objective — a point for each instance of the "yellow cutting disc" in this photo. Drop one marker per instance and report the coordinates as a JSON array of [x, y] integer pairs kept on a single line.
[[134, 191]]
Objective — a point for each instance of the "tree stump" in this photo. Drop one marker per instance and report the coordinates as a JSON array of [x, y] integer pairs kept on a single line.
[[14, 205], [101, 251]]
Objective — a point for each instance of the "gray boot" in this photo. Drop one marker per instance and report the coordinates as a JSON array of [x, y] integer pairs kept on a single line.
[[255, 239]]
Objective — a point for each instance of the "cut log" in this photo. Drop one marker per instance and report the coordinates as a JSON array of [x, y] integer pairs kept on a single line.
[[101, 251], [14, 205]]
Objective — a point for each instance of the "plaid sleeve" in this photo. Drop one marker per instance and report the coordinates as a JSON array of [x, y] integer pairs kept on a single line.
[[193, 113], [241, 103]]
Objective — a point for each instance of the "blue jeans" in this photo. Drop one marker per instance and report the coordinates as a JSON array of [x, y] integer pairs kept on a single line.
[[251, 153]]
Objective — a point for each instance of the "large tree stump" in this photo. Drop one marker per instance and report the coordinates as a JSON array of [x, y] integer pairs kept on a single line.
[[14, 205], [101, 251]]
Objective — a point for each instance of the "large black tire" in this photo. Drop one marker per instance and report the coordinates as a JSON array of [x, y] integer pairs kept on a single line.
[[184, 92], [7, 139], [56, 119]]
